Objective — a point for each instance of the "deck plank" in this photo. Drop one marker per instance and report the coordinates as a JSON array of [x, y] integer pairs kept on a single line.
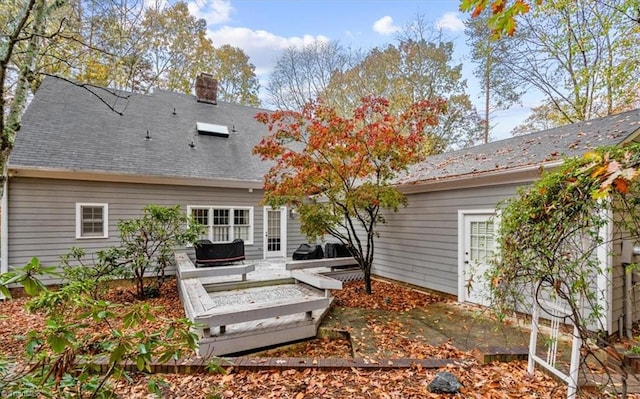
[[216, 317], [316, 280], [324, 262], [186, 268]]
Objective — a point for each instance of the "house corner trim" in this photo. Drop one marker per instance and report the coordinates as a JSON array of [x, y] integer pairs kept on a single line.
[[4, 228]]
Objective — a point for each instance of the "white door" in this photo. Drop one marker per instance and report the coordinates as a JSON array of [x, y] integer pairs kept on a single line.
[[275, 232], [477, 249]]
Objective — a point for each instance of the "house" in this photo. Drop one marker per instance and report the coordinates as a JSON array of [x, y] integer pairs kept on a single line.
[[87, 157], [449, 222]]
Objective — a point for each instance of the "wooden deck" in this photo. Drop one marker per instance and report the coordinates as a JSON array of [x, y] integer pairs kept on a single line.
[[187, 270], [261, 333], [252, 314]]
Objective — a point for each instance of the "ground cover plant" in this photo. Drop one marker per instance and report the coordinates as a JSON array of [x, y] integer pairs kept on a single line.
[[82, 322], [50, 342]]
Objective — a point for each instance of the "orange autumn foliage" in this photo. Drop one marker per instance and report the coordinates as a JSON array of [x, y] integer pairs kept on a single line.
[[338, 172]]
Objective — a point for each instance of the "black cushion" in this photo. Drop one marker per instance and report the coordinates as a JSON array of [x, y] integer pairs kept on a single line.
[[208, 253], [336, 250], [306, 251]]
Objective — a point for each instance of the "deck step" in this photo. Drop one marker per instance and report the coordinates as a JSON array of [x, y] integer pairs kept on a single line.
[[347, 275], [187, 270], [260, 334], [216, 317], [324, 262], [317, 280]]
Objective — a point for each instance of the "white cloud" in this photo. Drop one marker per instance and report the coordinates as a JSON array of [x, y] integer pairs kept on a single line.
[[451, 21], [215, 12], [385, 26], [261, 46]]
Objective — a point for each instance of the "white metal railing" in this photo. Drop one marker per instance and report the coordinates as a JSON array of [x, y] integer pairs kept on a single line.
[[557, 312]]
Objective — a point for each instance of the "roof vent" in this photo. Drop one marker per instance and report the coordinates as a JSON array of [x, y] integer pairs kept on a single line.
[[209, 129]]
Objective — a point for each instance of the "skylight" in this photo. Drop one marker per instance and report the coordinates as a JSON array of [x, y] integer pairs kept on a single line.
[[209, 129]]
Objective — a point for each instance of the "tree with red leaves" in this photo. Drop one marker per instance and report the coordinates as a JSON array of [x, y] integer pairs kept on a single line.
[[338, 172]]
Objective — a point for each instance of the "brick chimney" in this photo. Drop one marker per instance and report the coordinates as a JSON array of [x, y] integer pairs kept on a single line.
[[206, 89]]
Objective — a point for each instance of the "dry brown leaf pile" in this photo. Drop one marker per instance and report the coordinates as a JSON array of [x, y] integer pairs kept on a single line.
[[317, 348], [385, 296], [15, 321], [498, 380], [501, 380]]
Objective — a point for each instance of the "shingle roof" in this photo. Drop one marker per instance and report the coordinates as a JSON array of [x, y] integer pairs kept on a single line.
[[527, 150], [66, 127]]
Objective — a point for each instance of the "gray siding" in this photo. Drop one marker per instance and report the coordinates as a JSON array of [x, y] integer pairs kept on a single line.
[[419, 244], [617, 293], [42, 213], [618, 282], [294, 236], [618, 277]]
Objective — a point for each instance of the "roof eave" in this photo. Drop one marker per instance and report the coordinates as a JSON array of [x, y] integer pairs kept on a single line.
[[633, 136], [525, 174], [103, 176]]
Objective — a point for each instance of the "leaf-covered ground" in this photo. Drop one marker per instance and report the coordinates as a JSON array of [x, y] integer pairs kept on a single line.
[[497, 380], [505, 380], [15, 321], [385, 296]]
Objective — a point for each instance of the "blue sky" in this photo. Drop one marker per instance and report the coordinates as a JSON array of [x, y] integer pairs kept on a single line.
[[264, 28]]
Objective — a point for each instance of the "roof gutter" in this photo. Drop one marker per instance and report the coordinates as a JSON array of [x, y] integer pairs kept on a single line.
[[524, 174], [634, 136], [66, 174]]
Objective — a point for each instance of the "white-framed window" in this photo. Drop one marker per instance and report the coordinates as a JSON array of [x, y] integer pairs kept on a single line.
[[92, 220], [224, 223]]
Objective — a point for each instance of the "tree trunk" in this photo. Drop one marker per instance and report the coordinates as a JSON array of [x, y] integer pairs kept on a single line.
[[367, 278], [10, 118], [140, 283], [487, 99]]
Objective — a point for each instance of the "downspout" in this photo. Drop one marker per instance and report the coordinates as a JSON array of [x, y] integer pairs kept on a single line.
[[629, 251], [628, 302], [604, 290], [4, 229]]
